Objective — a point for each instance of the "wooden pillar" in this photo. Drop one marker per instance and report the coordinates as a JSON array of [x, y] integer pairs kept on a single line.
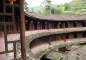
[[59, 25], [71, 35], [9, 28], [71, 24], [38, 25], [50, 26], [38, 42], [63, 24], [5, 26], [57, 37], [46, 25], [19, 26], [60, 37], [76, 24], [22, 32], [31, 25], [5, 37], [49, 40], [64, 37], [68, 24], [13, 18], [79, 35], [79, 24], [53, 38], [85, 23]]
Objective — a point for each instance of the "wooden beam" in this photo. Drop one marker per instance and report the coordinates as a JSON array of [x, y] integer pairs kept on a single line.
[[13, 19], [16, 5], [4, 52], [15, 41], [22, 30], [6, 23], [7, 14], [14, 48]]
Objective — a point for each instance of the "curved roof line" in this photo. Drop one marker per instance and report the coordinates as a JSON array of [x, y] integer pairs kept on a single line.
[[57, 17]]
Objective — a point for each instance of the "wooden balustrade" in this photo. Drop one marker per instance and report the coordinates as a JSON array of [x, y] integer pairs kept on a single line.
[[53, 38]]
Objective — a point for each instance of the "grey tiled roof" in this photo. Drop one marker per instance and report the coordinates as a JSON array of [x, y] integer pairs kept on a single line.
[[57, 17]]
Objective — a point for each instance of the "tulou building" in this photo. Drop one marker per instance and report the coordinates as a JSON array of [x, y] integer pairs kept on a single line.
[[32, 36]]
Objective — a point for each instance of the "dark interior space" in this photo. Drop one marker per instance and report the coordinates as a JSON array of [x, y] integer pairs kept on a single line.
[[74, 24], [66, 36], [82, 43], [43, 25], [75, 35], [8, 19], [1, 6], [55, 25], [63, 49], [66, 25], [83, 24], [35, 25], [27, 24], [17, 17], [2, 19], [84, 34], [9, 9], [44, 58]]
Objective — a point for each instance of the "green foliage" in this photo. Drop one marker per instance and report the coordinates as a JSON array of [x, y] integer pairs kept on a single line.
[[60, 9], [26, 6], [52, 10], [47, 6], [67, 6], [74, 7], [77, 7]]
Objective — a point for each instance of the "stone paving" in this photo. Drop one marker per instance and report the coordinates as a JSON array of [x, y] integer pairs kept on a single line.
[[78, 54]]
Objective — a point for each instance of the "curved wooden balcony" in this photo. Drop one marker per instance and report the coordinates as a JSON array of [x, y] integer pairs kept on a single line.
[[32, 35]]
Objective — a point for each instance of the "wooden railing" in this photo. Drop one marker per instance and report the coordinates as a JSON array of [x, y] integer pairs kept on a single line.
[[6, 42]]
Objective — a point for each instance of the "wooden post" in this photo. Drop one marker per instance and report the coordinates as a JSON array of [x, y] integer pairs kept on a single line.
[[71, 35], [22, 30], [71, 24], [50, 40], [13, 18], [59, 24], [5, 37], [63, 25]]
